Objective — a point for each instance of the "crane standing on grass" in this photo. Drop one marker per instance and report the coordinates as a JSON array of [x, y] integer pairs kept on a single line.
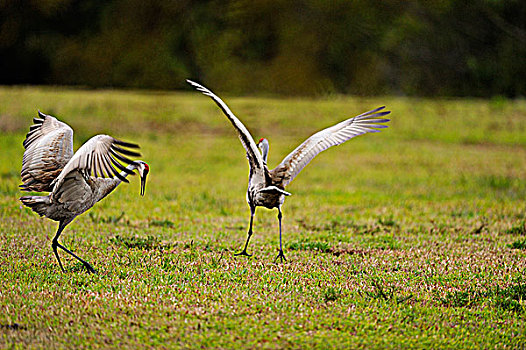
[[266, 187], [76, 181]]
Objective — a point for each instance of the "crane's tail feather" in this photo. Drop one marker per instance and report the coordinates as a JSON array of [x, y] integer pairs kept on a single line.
[[274, 189], [38, 204]]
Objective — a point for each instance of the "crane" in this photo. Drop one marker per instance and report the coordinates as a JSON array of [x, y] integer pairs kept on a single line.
[[266, 187], [76, 181]]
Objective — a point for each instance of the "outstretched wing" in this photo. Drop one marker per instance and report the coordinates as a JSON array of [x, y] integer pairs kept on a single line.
[[254, 157], [370, 121], [48, 148], [99, 157]]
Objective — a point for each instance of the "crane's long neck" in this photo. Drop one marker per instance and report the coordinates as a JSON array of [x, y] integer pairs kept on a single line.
[[264, 147], [106, 186]]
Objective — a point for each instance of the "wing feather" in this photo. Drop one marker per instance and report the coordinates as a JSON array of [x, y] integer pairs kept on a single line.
[[48, 148], [98, 157], [73, 192], [254, 156], [337, 134]]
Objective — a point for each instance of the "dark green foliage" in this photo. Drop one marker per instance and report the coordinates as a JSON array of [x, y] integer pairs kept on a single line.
[[162, 223], [380, 292], [136, 242], [386, 293], [518, 230], [509, 299], [520, 244], [107, 219], [331, 294], [512, 298], [306, 245], [462, 298], [297, 47], [387, 221]]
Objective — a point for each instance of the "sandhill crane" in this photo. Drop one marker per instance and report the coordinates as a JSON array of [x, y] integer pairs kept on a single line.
[[266, 187], [76, 181]]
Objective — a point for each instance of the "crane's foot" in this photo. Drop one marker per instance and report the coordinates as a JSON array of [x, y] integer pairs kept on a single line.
[[244, 252], [280, 256], [90, 268]]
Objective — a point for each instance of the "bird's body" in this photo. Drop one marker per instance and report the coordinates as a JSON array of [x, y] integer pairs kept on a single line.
[[76, 195], [269, 197], [266, 188], [76, 181]]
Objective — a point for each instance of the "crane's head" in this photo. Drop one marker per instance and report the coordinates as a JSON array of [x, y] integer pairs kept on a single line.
[[264, 147], [143, 169]]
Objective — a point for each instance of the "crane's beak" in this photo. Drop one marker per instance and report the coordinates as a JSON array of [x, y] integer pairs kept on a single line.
[[143, 183], [144, 169]]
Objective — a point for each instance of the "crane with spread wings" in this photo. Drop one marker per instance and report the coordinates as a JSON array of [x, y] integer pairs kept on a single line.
[[266, 187], [76, 181]]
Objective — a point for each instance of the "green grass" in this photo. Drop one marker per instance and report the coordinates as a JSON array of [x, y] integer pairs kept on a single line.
[[413, 237]]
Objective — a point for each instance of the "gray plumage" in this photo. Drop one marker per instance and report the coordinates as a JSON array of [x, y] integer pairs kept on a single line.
[[76, 181], [266, 187]]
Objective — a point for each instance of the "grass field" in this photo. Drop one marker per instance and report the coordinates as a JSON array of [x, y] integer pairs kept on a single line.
[[413, 237]]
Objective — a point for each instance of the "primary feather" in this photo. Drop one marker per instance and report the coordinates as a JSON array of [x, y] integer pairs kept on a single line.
[[98, 157], [253, 155], [292, 164]]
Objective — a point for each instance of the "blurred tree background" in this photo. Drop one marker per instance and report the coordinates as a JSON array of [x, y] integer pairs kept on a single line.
[[304, 47]]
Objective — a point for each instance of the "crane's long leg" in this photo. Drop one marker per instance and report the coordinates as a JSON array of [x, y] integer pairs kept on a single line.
[[280, 254], [249, 234], [55, 244]]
